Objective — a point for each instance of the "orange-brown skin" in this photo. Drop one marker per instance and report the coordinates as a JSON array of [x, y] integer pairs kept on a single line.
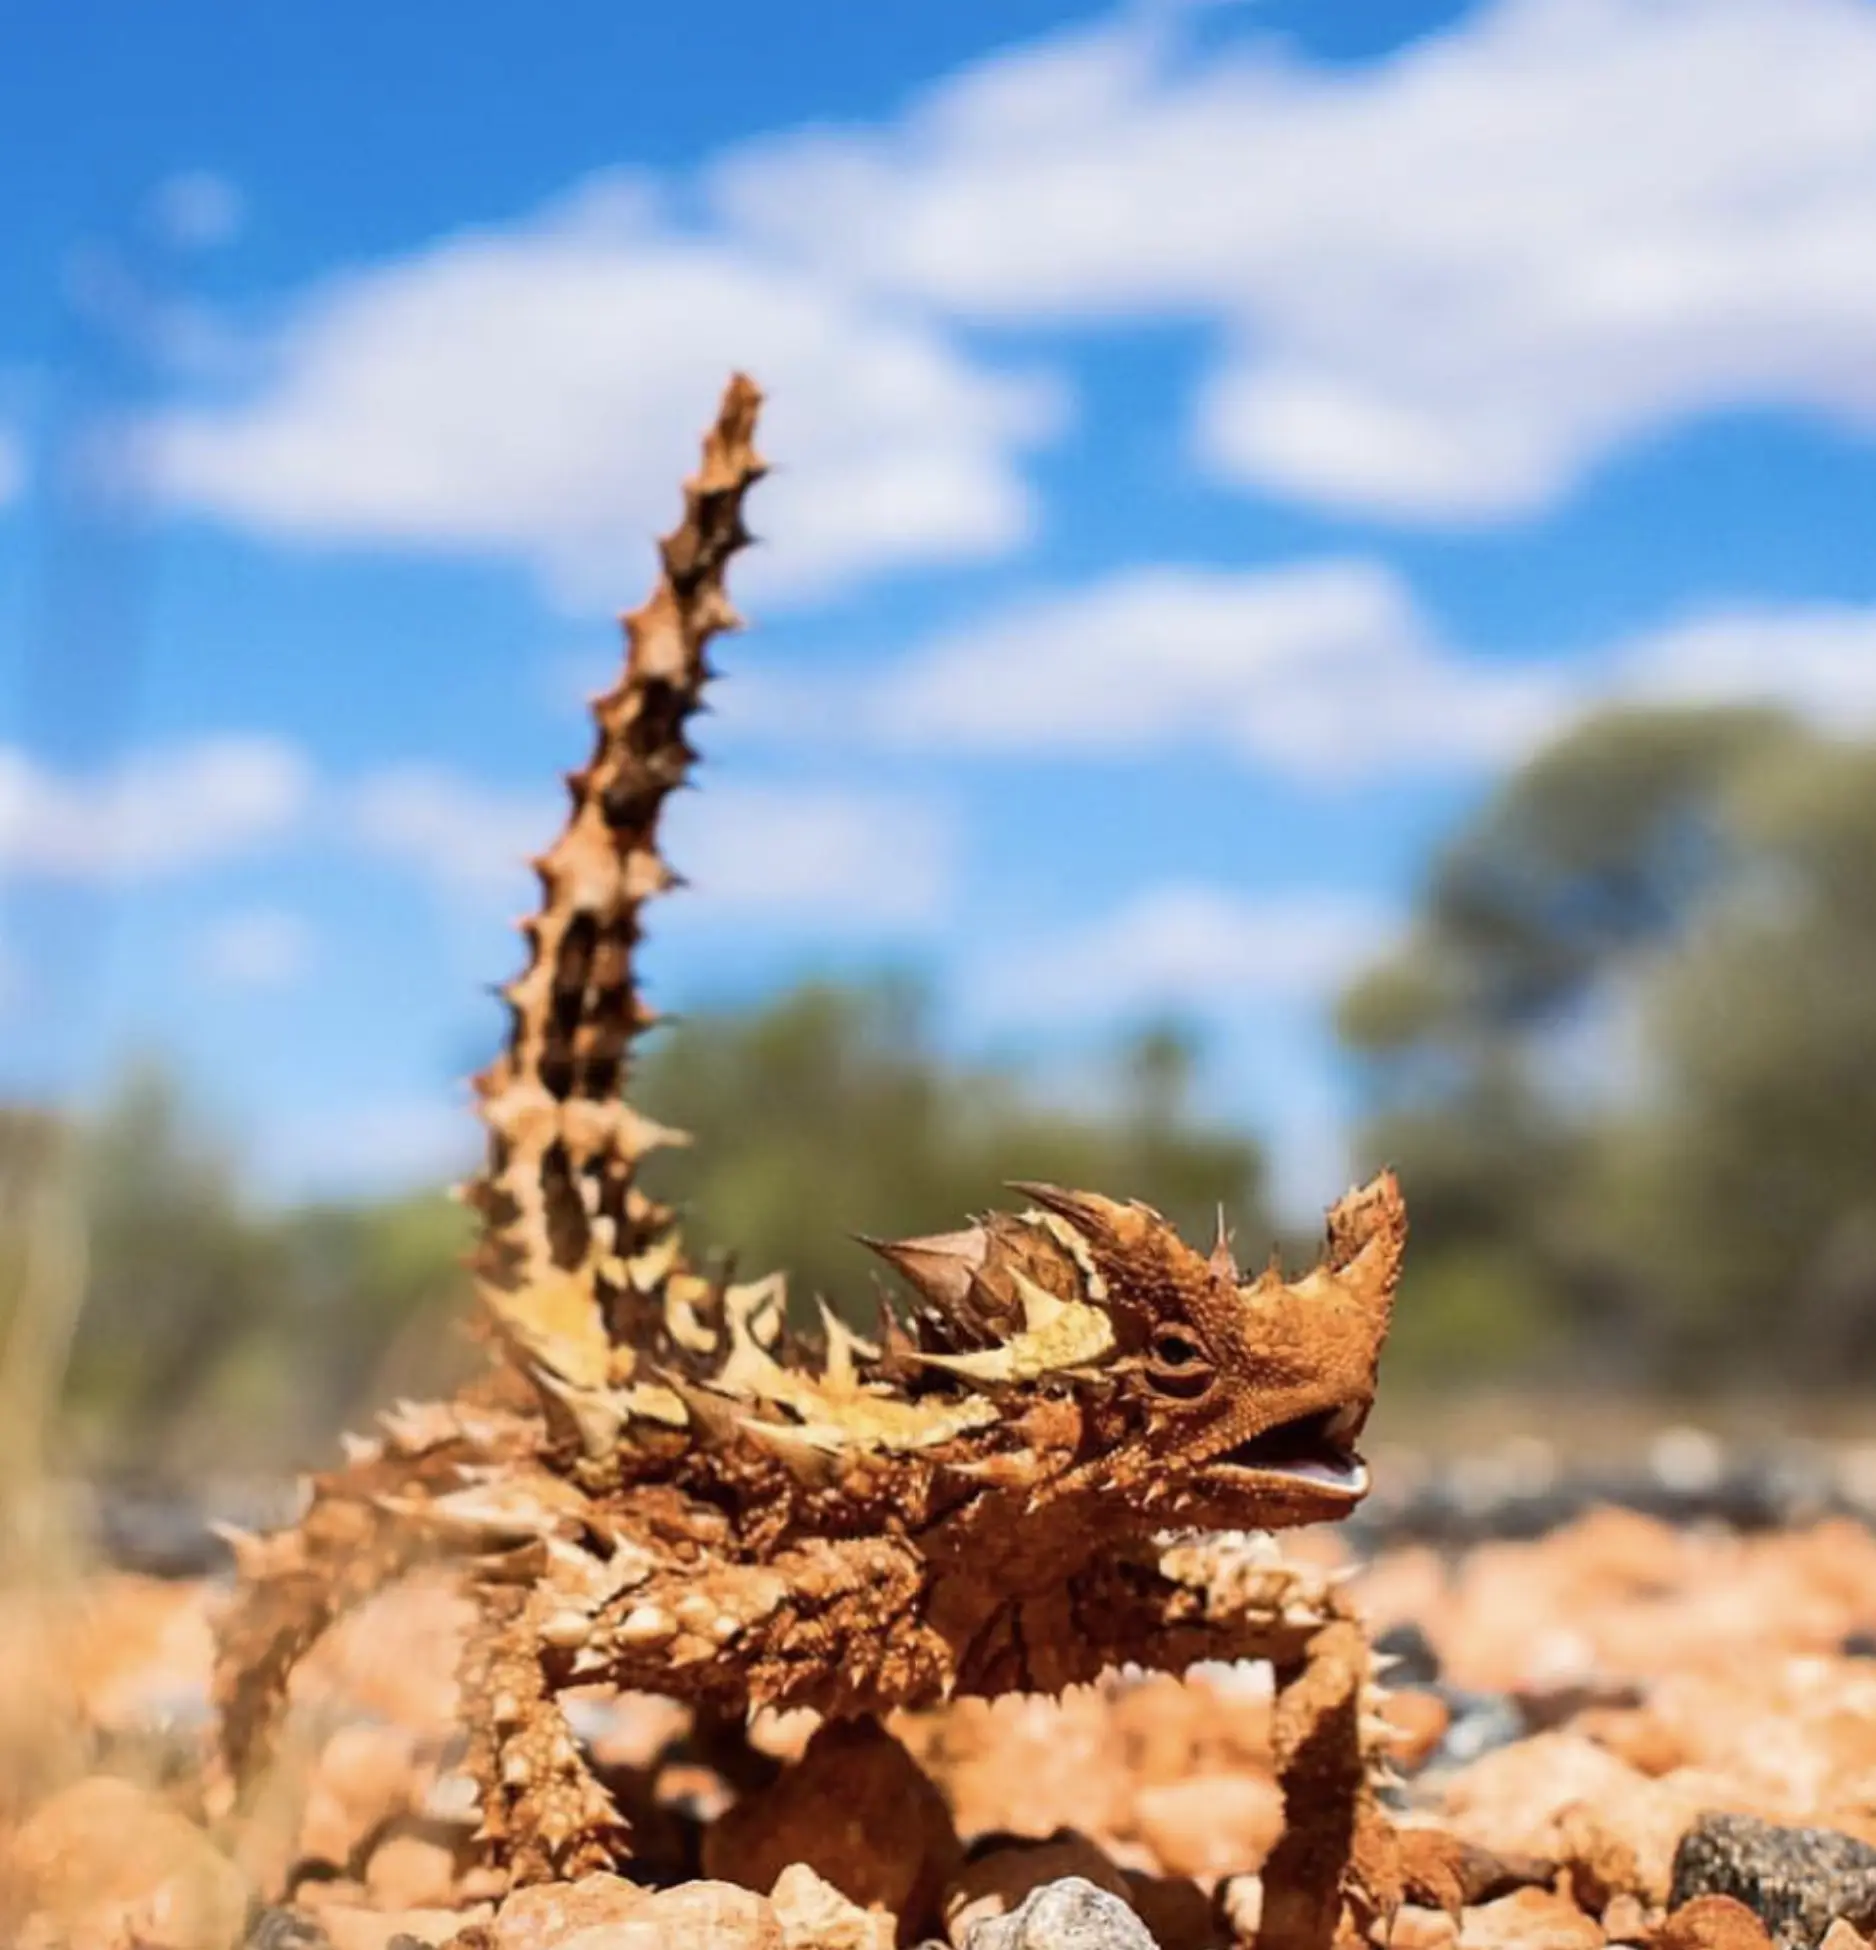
[[661, 1487]]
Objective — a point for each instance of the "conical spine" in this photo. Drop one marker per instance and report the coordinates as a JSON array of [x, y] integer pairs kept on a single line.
[[560, 1210]]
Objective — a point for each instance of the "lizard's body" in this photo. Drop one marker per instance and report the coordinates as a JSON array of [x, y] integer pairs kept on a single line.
[[660, 1488]]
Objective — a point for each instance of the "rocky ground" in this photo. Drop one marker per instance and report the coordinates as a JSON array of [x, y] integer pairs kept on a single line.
[[1664, 1730]]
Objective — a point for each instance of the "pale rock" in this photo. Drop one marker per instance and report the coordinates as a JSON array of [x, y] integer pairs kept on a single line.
[[1068, 1915], [1529, 1919], [410, 1871], [105, 1862], [814, 1915], [694, 1916], [542, 1916]]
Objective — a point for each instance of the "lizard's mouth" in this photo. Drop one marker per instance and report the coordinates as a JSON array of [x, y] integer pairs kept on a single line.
[[1314, 1450]]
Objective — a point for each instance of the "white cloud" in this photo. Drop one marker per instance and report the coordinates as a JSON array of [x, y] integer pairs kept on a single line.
[[257, 948], [157, 812], [1326, 671], [1440, 287], [1323, 670], [536, 391], [1187, 947], [462, 837], [1818, 660], [828, 855], [1446, 284]]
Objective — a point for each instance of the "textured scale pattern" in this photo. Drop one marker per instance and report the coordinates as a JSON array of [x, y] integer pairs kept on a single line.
[[1047, 1468]]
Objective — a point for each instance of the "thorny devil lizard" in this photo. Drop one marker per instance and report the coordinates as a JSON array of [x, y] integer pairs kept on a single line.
[[660, 1487]]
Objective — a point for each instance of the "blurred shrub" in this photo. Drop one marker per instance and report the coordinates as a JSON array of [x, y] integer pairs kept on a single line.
[[1626, 1057]]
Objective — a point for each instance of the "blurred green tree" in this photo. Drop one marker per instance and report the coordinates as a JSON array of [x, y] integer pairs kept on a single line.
[[1626, 1057]]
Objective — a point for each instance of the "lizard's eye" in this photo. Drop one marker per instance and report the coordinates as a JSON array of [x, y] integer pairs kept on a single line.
[[1178, 1365]]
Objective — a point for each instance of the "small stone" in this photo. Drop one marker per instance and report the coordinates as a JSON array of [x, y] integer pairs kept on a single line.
[[285, 1928], [1420, 1721], [1068, 1915], [1241, 1906], [106, 1861], [858, 1811], [1625, 1919], [1797, 1881], [351, 1926], [694, 1916], [1481, 1723], [410, 1871], [814, 1915], [1530, 1919], [542, 1916], [1712, 1923], [1210, 1824]]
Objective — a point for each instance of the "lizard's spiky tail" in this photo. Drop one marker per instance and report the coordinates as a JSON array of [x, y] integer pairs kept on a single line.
[[574, 1257], [574, 1261]]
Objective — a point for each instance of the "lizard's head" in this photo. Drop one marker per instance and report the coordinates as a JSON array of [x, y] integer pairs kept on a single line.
[[1205, 1399]]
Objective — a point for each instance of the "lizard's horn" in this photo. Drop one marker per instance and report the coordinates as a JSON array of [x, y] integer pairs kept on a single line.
[[1367, 1239], [1103, 1220], [943, 1266]]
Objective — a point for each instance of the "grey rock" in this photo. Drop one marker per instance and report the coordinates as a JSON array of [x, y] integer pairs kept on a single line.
[[1480, 1723], [1068, 1915], [1797, 1881]]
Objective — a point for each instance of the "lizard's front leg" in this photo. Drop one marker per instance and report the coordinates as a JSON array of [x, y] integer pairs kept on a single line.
[[1170, 1609], [543, 1813]]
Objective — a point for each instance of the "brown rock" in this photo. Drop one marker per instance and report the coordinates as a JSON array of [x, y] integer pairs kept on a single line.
[[1637, 1734], [1601, 1864], [1423, 1929], [1419, 1721], [1531, 1919], [814, 1915], [412, 1871], [1712, 1923], [106, 1862], [858, 1812], [539, 1918], [998, 1880], [1211, 1824]]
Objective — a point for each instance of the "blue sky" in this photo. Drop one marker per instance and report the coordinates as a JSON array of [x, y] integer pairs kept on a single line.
[[1214, 442]]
